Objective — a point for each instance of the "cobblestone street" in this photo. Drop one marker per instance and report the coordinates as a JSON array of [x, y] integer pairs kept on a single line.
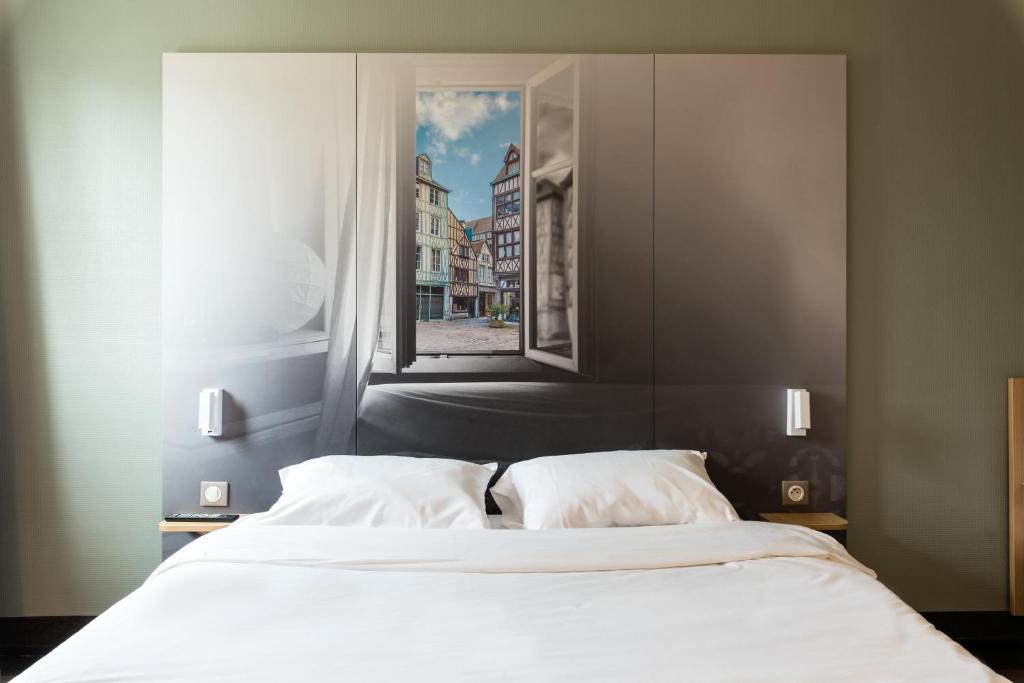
[[469, 335]]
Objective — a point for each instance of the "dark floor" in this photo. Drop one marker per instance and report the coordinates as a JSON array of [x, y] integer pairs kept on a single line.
[[12, 665], [996, 638]]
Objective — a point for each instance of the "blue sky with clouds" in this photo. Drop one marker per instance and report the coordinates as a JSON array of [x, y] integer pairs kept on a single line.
[[466, 135]]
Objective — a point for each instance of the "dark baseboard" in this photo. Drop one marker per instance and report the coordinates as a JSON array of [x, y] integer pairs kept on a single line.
[[996, 638], [36, 636]]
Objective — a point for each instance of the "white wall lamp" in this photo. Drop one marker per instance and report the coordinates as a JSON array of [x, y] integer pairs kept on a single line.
[[798, 412], [211, 412]]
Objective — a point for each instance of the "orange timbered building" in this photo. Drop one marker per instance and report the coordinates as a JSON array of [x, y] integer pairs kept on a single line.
[[462, 270]]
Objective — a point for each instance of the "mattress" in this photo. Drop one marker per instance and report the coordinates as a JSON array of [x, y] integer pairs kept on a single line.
[[731, 601]]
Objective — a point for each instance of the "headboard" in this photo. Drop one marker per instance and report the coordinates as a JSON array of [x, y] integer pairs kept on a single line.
[[710, 274]]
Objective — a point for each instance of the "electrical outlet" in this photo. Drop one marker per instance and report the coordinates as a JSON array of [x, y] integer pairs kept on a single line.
[[213, 494], [795, 492]]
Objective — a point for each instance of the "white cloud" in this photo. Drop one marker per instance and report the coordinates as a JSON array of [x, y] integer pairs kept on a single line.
[[504, 145], [467, 153], [503, 102], [437, 149], [451, 114]]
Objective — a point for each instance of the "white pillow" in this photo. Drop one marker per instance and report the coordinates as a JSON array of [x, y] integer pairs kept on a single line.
[[616, 488], [383, 491]]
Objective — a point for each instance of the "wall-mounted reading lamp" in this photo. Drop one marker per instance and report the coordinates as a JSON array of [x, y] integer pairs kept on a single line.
[[211, 412], [798, 412]]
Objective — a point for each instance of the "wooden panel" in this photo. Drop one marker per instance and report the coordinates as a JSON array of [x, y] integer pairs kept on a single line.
[[822, 521], [192, 527], [1015, 411]]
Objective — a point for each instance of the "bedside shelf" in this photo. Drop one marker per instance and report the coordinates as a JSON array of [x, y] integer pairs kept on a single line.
[[193, 527], [820, 521]]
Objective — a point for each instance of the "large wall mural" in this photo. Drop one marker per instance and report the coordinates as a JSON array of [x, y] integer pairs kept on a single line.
[[504, 256]]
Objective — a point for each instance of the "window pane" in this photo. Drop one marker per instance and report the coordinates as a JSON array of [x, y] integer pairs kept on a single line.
[[555, 278], [555, 105], [553, 225], [471, 199]]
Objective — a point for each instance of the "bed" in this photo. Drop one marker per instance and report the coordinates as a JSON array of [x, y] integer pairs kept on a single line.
[[716, 601]]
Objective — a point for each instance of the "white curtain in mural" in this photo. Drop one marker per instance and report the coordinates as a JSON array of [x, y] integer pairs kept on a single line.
[[363, 304], [258, 161]]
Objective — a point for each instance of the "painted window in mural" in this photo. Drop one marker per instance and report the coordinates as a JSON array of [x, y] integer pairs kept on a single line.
[[468, 193], [495, 195]]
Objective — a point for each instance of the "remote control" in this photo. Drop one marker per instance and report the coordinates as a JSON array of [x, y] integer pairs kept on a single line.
[[199, 517]]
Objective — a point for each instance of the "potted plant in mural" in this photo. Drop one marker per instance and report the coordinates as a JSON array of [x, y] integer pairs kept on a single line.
[[497, 313]]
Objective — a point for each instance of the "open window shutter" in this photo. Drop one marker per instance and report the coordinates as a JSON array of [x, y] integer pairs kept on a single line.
[[405, 257], [552, 275], [387, 205]]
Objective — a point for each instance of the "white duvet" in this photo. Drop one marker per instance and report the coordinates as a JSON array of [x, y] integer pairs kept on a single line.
[[731, 601]]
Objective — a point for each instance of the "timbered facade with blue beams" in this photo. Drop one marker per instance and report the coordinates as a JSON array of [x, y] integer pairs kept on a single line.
[[433, 253]]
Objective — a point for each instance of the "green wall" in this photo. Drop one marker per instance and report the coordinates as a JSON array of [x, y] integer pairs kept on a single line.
[[936, 236]]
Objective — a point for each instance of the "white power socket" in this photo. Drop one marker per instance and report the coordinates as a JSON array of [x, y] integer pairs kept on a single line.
[[795, 492], [213, 494]]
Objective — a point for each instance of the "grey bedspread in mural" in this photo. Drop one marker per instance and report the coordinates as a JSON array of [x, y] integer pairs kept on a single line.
[[504, 420]]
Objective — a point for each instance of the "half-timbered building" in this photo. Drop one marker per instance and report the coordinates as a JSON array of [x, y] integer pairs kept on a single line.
[[462, 282], [433, 252], [481, 229], [506, 210], [484, 275]]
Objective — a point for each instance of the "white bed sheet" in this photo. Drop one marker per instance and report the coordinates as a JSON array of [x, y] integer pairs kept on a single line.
[[729, 601]]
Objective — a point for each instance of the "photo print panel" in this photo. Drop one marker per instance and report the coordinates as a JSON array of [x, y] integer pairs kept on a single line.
[[259, 163]]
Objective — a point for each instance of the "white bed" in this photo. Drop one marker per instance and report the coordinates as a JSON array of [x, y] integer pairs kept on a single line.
[[722, 601]]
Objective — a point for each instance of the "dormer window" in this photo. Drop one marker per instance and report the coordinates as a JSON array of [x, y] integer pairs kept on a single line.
[[512, 161], [423, 166]]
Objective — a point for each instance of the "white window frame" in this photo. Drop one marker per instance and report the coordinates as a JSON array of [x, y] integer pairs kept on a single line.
[[454, 73], [527, 174]]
